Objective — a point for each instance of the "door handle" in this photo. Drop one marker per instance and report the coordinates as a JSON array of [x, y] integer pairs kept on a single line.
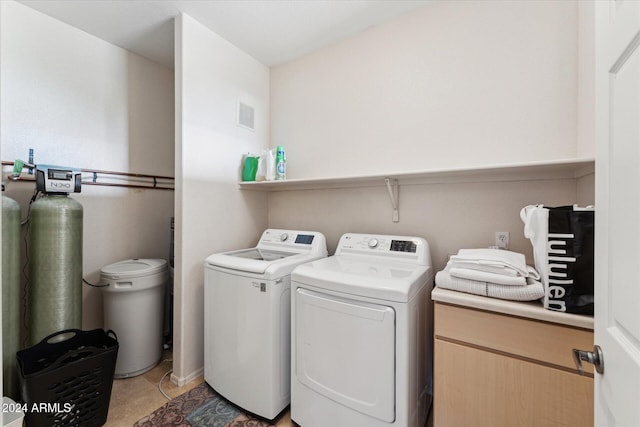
[[594, 357]]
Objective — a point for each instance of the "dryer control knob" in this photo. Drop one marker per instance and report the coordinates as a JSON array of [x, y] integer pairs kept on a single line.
[[373, 243], [284, 237]]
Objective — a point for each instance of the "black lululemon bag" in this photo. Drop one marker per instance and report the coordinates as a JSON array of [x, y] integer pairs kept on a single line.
[[562, 239]]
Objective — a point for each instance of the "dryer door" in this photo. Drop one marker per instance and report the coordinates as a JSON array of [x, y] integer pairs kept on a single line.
[[345, 350]]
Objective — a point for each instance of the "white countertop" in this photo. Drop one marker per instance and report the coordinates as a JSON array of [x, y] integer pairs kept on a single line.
[[531, 310]]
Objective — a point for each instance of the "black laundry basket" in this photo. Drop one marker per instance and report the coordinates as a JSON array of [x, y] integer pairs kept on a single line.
[[66, 378]]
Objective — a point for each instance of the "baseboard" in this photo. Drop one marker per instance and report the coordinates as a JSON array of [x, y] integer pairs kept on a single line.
[[181, 381]]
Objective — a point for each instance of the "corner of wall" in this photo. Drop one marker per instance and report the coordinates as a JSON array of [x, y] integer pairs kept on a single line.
[[212, 214]]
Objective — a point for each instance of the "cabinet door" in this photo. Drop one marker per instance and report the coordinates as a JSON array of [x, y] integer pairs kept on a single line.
[[474, 387]]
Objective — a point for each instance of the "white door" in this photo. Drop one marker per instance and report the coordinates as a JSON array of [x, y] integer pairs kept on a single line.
[[617, 289]]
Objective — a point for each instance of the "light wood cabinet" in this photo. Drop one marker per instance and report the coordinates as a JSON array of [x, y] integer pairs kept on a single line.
[[495, 369]]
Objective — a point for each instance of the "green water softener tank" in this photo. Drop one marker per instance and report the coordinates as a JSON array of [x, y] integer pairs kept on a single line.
[[55, 266], [10, 296]]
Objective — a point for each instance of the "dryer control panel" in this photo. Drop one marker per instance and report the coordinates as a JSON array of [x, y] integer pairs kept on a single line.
[[407, 248]]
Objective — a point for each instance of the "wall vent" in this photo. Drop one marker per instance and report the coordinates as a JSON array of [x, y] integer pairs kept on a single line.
[[246, 116]]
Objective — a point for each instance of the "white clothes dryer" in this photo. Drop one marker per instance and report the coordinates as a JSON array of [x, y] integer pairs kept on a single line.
[[247, 312], [362, 334]]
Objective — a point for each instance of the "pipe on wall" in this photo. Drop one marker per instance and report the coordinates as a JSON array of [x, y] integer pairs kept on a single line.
[[145, 181]]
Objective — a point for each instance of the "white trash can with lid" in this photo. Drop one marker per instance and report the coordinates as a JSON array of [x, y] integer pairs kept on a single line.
[[133, 302]]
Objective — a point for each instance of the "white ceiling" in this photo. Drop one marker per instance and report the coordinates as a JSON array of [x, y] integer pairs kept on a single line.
[[272, 31]]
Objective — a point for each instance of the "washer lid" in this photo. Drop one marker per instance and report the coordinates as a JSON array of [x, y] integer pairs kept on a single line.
[[261, 254], [359, 276], [259, 261], [133, 268]]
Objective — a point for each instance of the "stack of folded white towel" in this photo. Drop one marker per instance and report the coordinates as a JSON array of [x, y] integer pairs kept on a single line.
[[494, 273]]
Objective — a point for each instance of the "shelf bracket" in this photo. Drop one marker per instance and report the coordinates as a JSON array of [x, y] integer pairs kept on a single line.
[[393, 188]]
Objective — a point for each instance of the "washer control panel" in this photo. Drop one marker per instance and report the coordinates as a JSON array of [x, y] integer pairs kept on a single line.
[[277, 239]]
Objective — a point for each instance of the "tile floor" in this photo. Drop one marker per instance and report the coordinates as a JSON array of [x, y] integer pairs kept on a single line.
[[133, 398]]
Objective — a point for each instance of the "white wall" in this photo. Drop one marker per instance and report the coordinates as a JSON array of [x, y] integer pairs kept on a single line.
[[212, 215], [586, 79], [449, 216], [456, 83], [82, 102]]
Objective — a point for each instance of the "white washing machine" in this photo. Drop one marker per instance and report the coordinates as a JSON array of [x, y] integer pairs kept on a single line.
[[362, 332], [247, 319]]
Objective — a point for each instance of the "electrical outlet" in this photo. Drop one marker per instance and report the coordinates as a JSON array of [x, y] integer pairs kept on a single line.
[[502, 239]]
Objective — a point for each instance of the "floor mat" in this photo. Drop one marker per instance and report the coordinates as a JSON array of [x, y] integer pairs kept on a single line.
[[200, 407]]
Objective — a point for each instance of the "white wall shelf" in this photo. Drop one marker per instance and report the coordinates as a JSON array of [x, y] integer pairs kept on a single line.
[[543, 170]]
